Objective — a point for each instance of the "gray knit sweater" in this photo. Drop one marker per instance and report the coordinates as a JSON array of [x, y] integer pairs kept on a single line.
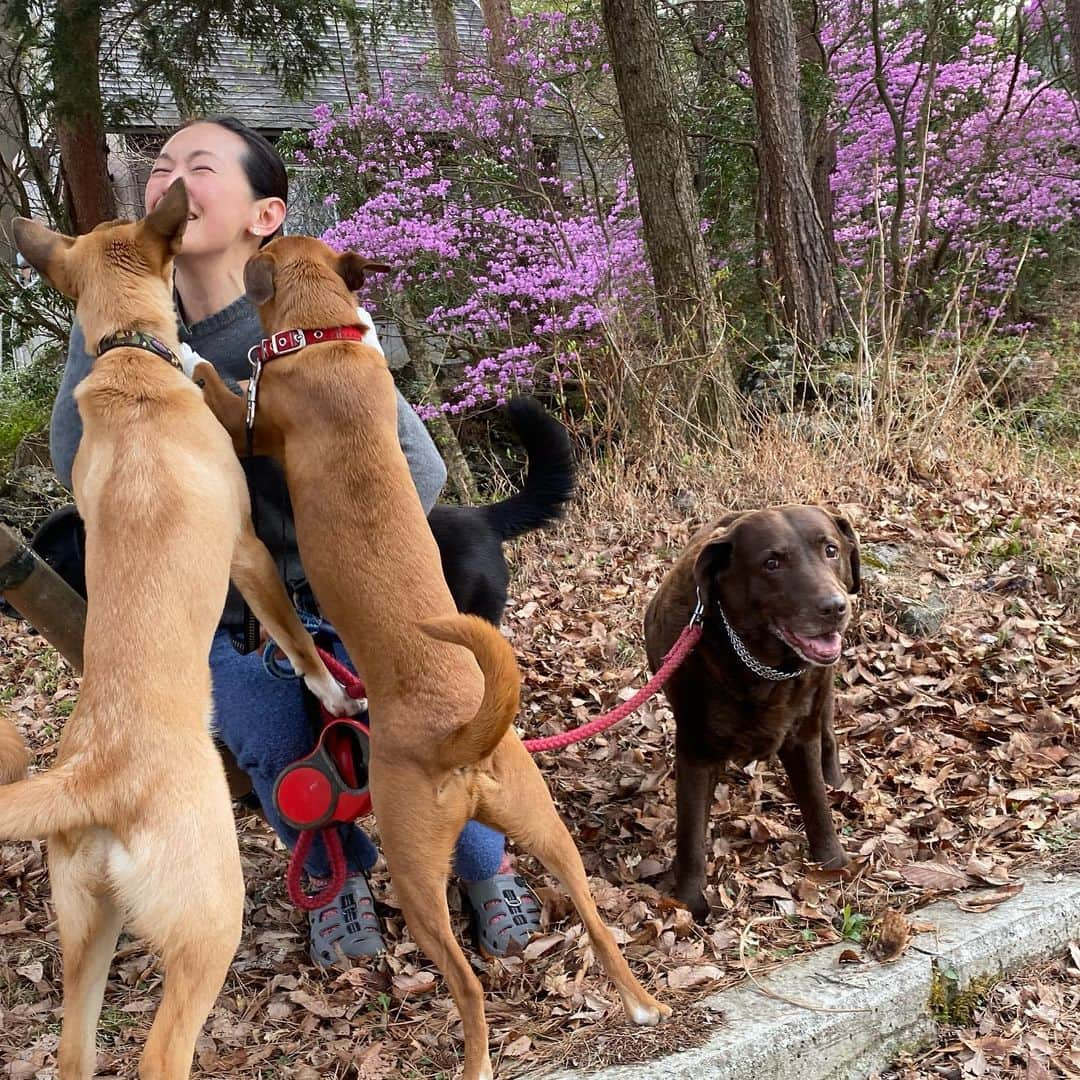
[[224, 339]]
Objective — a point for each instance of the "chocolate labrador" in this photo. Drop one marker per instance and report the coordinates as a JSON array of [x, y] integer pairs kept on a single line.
[[773, 586]]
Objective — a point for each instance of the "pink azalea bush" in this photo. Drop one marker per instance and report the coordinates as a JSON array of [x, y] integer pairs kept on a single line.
[[518, 269], [993, 199]]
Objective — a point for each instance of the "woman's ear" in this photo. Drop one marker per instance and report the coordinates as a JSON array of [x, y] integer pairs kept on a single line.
[[269, 215]]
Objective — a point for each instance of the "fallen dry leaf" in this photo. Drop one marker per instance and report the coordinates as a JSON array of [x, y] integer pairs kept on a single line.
[[892, 937], [989, 899], [423, 982], [937, 876], [317, 1006], [954, 751], [683, 978]]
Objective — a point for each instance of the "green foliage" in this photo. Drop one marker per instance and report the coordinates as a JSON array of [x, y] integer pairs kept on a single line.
[[26, 397], [853, 924]]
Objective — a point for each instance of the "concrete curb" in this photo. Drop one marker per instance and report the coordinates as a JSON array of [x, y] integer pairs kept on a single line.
[[881, 1010]]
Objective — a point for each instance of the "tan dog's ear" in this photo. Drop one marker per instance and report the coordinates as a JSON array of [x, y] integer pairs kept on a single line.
[[854, 563], [353, 269], [259, 277], [168, 220], [46, 252]]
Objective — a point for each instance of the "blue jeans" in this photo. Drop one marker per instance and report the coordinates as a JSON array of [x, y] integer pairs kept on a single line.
[[262, 720]]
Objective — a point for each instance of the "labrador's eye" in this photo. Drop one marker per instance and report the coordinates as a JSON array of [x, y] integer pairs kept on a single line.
[[772, 563], [832, 551]]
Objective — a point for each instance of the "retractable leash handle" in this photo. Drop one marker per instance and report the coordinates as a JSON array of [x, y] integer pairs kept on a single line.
[[330, 785], [325, 789]]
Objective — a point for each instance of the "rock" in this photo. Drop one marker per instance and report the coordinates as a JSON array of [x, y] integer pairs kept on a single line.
[[923, 618], [882, 556]]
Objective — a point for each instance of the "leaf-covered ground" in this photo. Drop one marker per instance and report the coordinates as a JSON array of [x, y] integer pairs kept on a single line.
[[1026, 1027], [960, 751]]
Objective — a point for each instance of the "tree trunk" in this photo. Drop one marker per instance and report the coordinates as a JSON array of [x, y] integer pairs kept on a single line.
[[820, 135], [497, 15], [442, 15], [801, 266], [79, 119], [458, 473], [359, 46], [12, 200], [1072, 17], [664, 172]]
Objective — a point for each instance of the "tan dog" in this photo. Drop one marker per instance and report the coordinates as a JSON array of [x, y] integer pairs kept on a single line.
[[136, 809], [442, 747]]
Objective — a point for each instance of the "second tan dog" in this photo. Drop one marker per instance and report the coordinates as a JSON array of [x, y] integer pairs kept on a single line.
[[442, 747], [136, 810]]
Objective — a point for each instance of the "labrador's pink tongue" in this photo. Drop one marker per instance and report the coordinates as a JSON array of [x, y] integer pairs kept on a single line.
[[822, 650]]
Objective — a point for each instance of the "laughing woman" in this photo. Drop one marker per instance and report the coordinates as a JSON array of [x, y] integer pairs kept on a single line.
[[238, 191]]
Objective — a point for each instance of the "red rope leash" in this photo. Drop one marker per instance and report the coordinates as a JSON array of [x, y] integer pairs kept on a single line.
[[676, 655], [354, 687], [353, 684], [332, 840]]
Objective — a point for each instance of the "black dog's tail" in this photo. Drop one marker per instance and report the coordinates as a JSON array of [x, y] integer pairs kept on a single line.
[[550, 479]]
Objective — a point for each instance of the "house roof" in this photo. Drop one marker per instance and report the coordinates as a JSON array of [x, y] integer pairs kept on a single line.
[[253, 96]]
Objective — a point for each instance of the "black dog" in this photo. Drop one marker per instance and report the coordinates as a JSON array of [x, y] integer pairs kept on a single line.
[[470, 538]]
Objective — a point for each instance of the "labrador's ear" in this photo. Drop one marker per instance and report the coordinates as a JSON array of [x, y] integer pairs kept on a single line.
[[353, 269], [854, 565], [259, 277], [714, 559], [46, 251], [168, 220]]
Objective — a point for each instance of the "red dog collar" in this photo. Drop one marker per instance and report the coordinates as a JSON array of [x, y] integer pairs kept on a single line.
[[290, 341]]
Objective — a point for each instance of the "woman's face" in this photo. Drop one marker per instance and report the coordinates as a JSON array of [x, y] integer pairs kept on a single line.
[[223, 208]]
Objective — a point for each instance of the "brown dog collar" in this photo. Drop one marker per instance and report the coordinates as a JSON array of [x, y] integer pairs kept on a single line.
[[136, 339]]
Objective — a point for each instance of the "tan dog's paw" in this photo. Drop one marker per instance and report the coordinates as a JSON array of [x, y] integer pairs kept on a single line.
[[14, 757], [190, 359], [648, 1015], [331, 695]]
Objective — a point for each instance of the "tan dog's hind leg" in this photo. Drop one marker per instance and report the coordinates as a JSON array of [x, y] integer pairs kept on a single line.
[[519, 804], [418, 830], [255, 575], [89, 923], [194, 973]]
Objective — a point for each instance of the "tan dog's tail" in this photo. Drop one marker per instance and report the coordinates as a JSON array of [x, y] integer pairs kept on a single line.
[[36, 807], [476, 739]]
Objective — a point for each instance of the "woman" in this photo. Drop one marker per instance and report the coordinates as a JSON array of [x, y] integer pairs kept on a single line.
[[238, 190]]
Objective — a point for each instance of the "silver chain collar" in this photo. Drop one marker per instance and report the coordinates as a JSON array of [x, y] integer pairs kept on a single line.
[[763, 671]]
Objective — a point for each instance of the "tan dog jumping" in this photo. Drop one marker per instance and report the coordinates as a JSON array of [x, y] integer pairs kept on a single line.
[[443, 750], [136, 809]]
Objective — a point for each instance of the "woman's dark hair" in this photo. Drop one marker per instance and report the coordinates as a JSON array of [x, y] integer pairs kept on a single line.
[[262, 163]]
